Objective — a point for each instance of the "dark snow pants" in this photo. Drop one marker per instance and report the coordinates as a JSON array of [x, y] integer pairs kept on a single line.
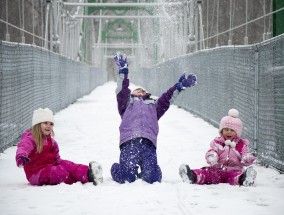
[[135, 153]]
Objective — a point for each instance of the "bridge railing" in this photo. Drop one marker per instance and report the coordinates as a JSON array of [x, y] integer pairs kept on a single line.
[[33, 77]]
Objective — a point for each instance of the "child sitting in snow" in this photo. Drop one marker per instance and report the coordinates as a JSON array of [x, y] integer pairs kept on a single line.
[[38, 152], [227, 157], [139, 126]]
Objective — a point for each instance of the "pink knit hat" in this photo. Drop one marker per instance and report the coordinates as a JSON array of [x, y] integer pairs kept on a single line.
[[232, 121]]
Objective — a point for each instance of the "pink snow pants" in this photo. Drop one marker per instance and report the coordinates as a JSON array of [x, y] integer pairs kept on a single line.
[[210, 175], [67, 172]]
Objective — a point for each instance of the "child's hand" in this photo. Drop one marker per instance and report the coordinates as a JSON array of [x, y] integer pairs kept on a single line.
[[122, 62], [22, 160], [186, 82], [212, 159], [247, 160]]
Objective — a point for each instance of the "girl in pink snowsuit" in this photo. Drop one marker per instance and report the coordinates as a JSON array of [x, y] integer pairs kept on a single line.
[[38, 152], [227, 157]]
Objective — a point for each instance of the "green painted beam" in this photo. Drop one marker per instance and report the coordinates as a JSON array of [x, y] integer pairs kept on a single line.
[[278, 18]]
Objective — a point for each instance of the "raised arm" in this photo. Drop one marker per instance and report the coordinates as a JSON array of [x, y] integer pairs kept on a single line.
[[122, 90], [163, 103]]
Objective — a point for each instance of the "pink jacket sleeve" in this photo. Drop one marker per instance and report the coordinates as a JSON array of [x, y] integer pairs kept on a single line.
[[26, 145], [247, 159], [56, 152], [212, 151]]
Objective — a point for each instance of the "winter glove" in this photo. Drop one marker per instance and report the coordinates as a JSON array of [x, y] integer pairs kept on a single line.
[[186, 82], [122, 63], [230, 143], [247, 160], [22, 160], [212, 159]]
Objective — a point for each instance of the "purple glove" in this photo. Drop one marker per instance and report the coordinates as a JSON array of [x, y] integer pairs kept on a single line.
[[122, 63], [22, 160], [186, 82], [182, 77]]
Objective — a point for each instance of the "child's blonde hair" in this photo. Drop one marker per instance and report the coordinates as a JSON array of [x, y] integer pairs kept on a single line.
[[38, 137]]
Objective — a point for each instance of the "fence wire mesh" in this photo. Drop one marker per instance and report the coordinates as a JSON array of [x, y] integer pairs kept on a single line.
[[32, 77], [248, 78]]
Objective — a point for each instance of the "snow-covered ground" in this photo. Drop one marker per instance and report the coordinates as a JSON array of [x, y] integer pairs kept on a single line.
[[88, 130]]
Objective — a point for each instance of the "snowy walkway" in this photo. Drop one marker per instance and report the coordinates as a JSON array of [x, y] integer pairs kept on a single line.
[[88, 130]]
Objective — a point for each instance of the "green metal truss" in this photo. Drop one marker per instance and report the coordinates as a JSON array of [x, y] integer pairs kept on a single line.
[[129, 30]]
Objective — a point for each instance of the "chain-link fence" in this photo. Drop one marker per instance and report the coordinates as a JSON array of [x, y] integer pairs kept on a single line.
[[32, 77], [248, 78]]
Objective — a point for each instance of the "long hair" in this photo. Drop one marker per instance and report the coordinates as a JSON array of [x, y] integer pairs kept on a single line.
[[38, 137]]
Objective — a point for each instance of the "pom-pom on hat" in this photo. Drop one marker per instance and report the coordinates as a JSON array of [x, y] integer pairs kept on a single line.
[[232, 121], [42, 115]]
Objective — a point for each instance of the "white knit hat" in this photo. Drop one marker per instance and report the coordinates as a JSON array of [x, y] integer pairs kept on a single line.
[[232, 121], [42, 115]]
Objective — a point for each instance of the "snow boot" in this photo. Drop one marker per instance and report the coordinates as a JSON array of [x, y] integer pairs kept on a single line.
[[95, 173], [186, 174], [247, 179]]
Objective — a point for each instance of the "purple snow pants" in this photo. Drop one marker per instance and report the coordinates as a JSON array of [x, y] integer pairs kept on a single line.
[[211, 175], [67, 172], [139, 152]]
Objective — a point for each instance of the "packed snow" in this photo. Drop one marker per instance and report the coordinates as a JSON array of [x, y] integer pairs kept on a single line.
[[88, 130]]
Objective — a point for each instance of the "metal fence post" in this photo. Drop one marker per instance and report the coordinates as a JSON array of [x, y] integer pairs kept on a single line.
[[256, 98]]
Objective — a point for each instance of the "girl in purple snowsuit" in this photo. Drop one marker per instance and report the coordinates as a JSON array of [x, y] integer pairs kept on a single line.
[[139, 127], [38, 152], [227, 157]]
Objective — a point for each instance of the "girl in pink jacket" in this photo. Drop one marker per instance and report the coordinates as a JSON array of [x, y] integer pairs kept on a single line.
[[38, 153], [227, 157]]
